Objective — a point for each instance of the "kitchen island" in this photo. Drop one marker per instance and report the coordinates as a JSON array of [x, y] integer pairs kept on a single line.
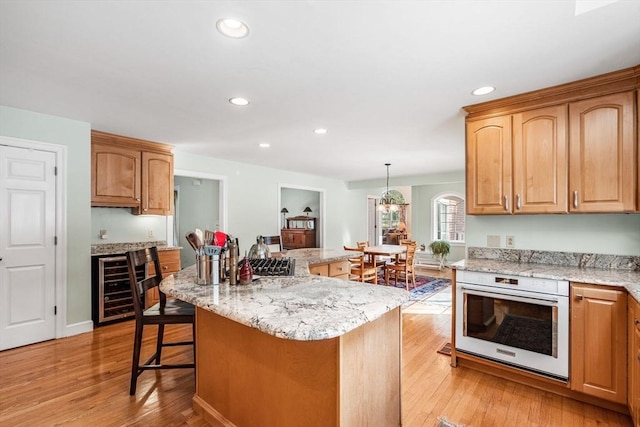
[[296, 351]]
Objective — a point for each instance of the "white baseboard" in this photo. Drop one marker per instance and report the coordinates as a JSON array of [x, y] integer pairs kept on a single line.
[[78, 328]]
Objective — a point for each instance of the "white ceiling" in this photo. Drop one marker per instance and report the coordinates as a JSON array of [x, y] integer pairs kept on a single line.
[[386, 78]]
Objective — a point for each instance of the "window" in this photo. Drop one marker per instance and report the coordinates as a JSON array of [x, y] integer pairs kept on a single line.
[[448, 218]]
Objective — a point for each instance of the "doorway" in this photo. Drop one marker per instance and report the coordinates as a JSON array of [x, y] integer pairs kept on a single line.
[[32, 252], [296, 199], [199, 202]]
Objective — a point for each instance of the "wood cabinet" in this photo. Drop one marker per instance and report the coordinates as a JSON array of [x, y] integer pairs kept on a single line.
[[300, 232], [599, 342], [603, 152], [570, 148], [337, 269], [518, 163], [634, 360], [169, 263], [128, 172]]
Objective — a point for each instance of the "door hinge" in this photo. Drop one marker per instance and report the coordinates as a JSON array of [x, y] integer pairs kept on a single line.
[[55, 240], [55, 170], [55, 310]]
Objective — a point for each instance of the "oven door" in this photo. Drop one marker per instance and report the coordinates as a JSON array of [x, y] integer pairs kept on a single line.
[[520, 328]]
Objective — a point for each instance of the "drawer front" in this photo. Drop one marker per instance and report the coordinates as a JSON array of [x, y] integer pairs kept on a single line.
[[169, 262], [339, 268], [319, 269]]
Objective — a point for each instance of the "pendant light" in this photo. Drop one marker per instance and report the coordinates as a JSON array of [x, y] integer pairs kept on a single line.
[[386, 201]]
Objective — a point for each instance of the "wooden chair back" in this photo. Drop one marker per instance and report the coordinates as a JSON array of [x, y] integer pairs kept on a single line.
[[136, 261]]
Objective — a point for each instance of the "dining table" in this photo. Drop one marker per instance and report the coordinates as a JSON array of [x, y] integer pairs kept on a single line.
[[385, 250]]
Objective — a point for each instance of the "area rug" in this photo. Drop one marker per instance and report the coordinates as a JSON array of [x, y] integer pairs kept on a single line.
[[425, 286], [525, 333]]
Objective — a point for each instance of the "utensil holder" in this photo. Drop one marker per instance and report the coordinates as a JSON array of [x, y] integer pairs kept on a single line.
[[203, 269]]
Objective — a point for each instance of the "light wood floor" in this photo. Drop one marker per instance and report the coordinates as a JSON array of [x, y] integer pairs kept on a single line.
[[84, 381]]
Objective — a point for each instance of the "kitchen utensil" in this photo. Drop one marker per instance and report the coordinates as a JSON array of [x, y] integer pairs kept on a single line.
[[200, 235], [219, 238], [193, 240], [208, 237]]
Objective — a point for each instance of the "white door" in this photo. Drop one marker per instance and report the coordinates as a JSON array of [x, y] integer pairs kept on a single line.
[[27, 246]]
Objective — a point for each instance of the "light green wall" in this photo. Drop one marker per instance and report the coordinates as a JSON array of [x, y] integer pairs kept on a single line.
[[123, 226], [76, 136], [422, 213], [198, 208], [252, 195], [617, 234]]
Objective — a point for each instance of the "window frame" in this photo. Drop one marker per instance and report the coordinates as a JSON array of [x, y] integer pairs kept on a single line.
[[435, 220]]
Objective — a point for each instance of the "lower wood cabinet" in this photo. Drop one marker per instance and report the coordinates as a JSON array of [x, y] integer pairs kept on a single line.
[[336, 269], [599, 341], [634, 360], [298, 238], [169, 263]]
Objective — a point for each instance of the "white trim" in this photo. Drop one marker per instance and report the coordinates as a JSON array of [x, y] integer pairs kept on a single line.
[[222, 198], [434, 215], [321, 223], [78, 328], [60, 152]]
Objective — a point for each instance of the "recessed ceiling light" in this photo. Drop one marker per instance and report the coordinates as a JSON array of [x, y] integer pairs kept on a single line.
[[232, 28], [320, 131], [264, 145], [483, 90], [239, 101]]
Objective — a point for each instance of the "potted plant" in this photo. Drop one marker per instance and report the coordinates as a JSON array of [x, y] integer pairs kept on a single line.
[[441, 249]]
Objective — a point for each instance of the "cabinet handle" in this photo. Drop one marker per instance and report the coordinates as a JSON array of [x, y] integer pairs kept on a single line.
[[506, 203], [145, 209], [518, 202], [579, 297], [138, 199], [164, 267], [635, 321], [575, 199]]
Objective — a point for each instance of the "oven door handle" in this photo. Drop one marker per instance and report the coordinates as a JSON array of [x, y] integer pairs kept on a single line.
[[551, 301]]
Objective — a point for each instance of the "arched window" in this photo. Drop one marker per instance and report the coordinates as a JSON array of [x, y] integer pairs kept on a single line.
[[448, 218]]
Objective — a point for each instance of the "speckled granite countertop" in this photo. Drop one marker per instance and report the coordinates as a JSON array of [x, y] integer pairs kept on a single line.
[[629, 279], [303, 307], [121, 248]]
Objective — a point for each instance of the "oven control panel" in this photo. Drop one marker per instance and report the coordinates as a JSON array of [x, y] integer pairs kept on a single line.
[[521, 283]]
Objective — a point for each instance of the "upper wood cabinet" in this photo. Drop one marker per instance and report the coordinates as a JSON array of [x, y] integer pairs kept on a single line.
[[489, 166], [633, 330], [599, 342], [569, 148], [518, 163], [128, 172], [603, 154]]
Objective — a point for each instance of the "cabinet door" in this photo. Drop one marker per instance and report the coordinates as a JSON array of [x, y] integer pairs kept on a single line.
[[634, 360], [115, 176], [157, 184], [540, 161], [599, 342], [489, 166], [602, 175]]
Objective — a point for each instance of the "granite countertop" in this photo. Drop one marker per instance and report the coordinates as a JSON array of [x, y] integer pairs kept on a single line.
[[628, 279], [303, 307], [121, 248]]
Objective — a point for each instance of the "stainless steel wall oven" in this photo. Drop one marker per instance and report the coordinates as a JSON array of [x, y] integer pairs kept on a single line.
[[518, 321]]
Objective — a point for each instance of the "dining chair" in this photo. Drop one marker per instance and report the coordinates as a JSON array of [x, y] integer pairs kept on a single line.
[[403, 268], [360, 271], [273, 241], [167, 311]]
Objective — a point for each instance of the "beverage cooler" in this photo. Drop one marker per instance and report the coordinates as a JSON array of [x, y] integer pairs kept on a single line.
[[110, 289]]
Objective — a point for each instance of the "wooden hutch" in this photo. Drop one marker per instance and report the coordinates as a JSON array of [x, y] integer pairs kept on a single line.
[[300, 232]]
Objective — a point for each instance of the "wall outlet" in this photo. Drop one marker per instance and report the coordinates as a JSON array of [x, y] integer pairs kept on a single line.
[[510, 241], [150, 233], [493, 241], [103, 234]]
